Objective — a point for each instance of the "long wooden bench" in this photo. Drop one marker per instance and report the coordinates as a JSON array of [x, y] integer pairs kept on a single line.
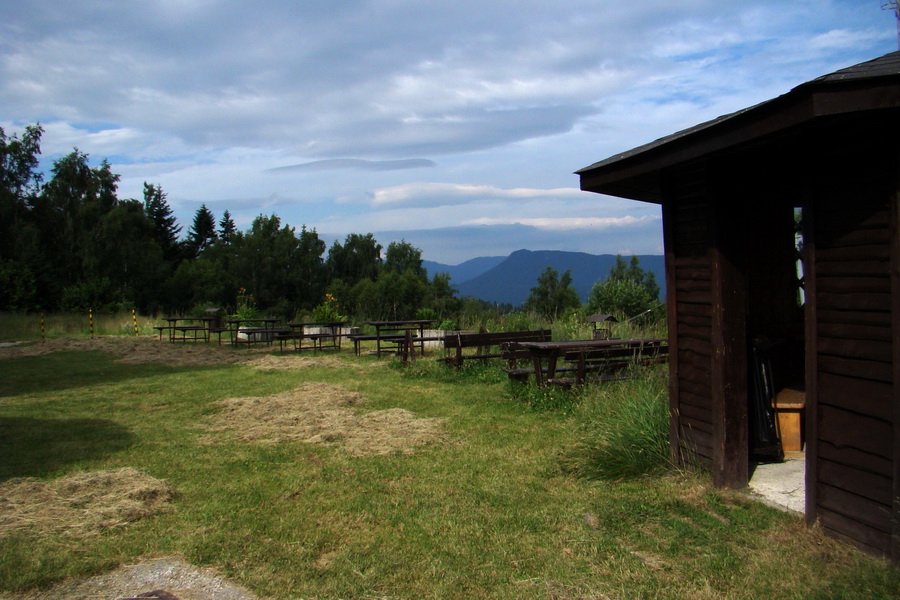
[[485, 344], [603, 364]]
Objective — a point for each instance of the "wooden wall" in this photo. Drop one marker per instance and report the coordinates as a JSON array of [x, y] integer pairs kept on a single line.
[[851, 356], [689, 295]]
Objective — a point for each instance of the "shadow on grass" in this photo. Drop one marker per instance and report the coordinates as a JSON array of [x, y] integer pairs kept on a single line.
[[31, 447], [68, 370]]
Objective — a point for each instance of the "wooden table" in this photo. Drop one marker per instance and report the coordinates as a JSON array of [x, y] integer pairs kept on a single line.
[[198, 332], [259, 333], [581, 351], [318, 339], [390, 330]]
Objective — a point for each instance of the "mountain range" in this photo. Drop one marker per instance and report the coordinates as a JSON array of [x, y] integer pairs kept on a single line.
[[509, 279]]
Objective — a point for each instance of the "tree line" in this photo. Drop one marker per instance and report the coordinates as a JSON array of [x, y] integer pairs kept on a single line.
[[69, 243]]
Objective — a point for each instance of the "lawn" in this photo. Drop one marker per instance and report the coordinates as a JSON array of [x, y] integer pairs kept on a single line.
[[330, 476]]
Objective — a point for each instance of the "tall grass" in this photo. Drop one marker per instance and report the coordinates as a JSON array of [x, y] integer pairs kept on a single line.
[[626, 427], [32, 326]]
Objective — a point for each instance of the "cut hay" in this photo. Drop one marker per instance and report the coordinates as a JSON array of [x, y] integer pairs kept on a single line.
[[289, 362], [318, 413], [82, 504], [169, 574]]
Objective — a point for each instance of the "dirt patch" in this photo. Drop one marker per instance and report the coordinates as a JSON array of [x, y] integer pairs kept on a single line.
[[170, 574], [82, 504], [318, 413]]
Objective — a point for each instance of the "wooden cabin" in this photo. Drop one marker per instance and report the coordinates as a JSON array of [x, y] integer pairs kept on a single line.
[[817, 168]]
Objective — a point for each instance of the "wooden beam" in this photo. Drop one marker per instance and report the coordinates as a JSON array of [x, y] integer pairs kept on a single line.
[[895, 312], [729, 339]]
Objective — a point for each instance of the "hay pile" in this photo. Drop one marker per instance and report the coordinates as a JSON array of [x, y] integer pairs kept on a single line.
[[319, 413], [294, 361], [82, 504]]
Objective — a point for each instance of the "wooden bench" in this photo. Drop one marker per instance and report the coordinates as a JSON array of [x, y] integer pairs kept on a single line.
[[391, 339], [197, 333], [167, 328], [605, 363], [485, 342], [318, 339]]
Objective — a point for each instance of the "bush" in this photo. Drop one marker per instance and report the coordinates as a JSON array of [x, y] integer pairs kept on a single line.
[[626, 428]]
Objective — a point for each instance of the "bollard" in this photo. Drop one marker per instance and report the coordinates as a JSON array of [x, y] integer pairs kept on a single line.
[[43, 329], [91, 321], [134, 318]]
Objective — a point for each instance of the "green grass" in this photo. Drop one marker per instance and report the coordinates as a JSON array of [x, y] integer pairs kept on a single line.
[[497, 511]]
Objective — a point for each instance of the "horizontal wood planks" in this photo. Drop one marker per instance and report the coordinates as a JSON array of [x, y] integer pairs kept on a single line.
[[854, 347], [688, 239]]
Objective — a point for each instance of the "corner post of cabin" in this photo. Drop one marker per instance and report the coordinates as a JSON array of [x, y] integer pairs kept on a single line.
[[730, 468], [675, 446], [895, 338]]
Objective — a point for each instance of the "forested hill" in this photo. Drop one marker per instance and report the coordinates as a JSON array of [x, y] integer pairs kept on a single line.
[[509, 281]]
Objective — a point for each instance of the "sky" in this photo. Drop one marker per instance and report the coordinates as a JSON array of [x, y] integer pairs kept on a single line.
[[455, 126]]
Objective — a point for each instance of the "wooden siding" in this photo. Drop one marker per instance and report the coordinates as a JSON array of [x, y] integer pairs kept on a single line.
[[852, 346], [689, 276]]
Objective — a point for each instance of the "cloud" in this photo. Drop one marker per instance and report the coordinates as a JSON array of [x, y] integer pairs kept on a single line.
[[356, 164], [445, 194], [568, 223]]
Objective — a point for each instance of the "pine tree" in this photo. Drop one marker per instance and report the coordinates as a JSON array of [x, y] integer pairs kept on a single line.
[[202, 233], [165, 226]]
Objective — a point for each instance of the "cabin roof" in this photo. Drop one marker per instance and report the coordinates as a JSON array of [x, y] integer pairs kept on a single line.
[[871, 85]]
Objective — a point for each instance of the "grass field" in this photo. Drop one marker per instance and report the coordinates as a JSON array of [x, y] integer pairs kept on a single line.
[[333, 476]]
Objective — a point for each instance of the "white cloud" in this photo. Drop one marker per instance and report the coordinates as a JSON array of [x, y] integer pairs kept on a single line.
[[567, 223], [505, 99], [443, 194]]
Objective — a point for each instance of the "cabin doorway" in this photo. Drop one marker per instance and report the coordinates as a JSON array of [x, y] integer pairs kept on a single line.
[[775, 333]]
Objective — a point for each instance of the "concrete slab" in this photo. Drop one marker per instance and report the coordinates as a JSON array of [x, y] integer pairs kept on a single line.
[[782, 485]]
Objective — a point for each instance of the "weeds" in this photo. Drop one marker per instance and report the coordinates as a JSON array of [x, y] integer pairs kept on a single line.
[[626, 426]]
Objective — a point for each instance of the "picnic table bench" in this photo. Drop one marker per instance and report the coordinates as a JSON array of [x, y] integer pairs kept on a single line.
[[394, 334], [604, 357], [329, 331], [454, 343], [197, 332]]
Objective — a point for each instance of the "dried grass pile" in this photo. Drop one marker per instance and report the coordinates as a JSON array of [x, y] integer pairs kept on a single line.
[[293, 361], [82, 504], [318, 413]]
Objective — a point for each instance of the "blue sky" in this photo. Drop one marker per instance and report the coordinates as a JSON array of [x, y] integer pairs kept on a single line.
[[456, 126]]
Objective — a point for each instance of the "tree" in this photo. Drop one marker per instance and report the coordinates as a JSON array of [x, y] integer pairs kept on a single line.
[[553, 294], [69, 210], [359, 258], [165, 226], [202, 232], [441, 296], [402, 257], [626, 292], [19, 183], [227, 228]]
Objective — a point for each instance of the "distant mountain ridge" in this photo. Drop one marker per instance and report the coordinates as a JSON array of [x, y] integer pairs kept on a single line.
[[509, 280]]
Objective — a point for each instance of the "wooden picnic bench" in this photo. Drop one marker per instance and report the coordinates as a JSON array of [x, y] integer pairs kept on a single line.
[[485, 344], [603, 358]]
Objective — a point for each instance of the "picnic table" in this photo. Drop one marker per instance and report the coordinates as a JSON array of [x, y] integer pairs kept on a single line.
[[197, 332], [394, 333], [258, 329], [329, 336], [588, 355]]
